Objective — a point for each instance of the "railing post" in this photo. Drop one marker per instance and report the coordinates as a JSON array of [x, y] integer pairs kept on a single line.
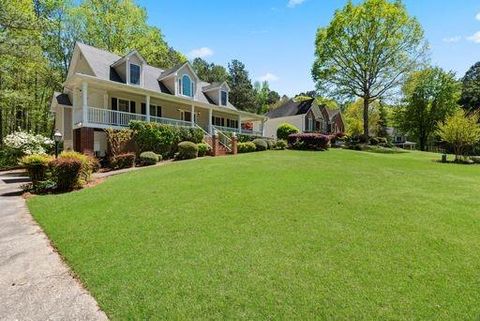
[[85, 102], [214, 142]]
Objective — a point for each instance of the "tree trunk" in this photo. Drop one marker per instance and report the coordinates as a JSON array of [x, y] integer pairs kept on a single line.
[[366, 101]]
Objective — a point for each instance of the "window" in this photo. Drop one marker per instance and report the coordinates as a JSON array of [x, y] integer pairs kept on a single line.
[[224, 98], [155, 110], [232, 123], [186, 84], [218, 121], [134, 74], [123, 105]]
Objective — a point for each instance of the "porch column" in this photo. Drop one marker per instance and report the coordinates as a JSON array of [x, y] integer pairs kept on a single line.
[[105, 100], [84, 103], [147, 107], [210, 122], [239, 124], [192, 115], [127, 71]]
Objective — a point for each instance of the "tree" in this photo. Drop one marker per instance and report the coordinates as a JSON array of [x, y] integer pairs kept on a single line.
[[430, 95], [242, 94], [262, 91], [366, 50], [461, 130], [273, 97], [470, 99], [209, 72], [120, 26], [354, 118], [382, 121]]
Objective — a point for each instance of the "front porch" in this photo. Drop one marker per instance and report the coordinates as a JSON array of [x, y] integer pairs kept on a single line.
[[105, 107]]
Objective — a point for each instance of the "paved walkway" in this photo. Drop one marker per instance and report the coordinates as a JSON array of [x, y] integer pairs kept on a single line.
[[35, 284]]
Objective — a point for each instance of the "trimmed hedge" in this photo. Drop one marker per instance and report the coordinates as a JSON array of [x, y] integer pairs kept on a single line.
[[149, 158], [203, 149], [309, 141], [281, 144], [37, 166], [246, 147], [162, 139], [126, 160], [89, 163], [66, 172], [286, 129], [260, 144], [187, 150]]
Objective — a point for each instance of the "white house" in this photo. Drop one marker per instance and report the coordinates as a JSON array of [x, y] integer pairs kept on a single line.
[[104, 90]]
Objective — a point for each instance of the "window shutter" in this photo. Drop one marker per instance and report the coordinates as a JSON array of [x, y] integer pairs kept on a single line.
[[114, 103], [159, 111], [132, 107], [143, 108]]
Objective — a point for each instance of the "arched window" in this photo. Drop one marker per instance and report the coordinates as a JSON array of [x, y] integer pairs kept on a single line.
[[187, 87]]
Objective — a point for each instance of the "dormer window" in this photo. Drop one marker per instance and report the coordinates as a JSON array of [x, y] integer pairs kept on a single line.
[[134, 74], [186, 86], [224, 98]]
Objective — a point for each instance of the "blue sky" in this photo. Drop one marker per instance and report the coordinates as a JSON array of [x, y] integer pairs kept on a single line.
[[275, 38]]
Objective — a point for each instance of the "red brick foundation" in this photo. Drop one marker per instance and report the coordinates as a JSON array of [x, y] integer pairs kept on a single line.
[[83, 140]]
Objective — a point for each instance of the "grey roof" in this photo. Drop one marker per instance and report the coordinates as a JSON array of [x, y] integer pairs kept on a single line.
[[212, 86], [62, 99], [100, 61], [291, 108]]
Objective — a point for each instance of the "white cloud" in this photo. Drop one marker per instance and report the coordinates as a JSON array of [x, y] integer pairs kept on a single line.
[[200, 52], [268, 77], [475, 37], [477, 16], [452, 39], [294, 3]]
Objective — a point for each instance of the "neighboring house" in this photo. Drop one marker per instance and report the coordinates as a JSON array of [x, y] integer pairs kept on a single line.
[[399, 139], [306, 115], [104, 90]]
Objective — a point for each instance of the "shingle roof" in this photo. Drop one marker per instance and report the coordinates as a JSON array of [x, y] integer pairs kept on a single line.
[[291, 108], [100, 61], [62, 99], [332, 112]]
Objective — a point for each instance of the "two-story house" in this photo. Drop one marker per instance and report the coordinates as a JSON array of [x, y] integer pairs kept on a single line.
[[104, 90]]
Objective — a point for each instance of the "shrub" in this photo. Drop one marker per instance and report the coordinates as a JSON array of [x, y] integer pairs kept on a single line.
[[260, 144], [163, 139], [149, 158], [37, 166], [89, 163], [125, 160], [309, 141], [117, 140], [187, 150], [66, 172], [247, 147], [284, 130], [24, 143], [203, 149], [281, 144], [270, 143]]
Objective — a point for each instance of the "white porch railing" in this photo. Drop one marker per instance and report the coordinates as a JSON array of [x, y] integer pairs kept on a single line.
[[120, 118], [170, 121], [235, 130], [112, 117]]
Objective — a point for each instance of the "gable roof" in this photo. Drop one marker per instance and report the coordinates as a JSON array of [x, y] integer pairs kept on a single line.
[[124, 58], [101, 61], [291, 108], [216, 85]]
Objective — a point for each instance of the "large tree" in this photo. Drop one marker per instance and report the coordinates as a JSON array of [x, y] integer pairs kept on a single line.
[[209, 72], [242, 93], [366, 50], [430, 95], [470, 99]]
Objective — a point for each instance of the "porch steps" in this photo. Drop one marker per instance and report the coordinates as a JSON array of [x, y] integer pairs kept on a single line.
[[222, 150]]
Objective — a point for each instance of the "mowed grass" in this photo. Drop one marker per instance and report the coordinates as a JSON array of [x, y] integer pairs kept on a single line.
[[281, 235]]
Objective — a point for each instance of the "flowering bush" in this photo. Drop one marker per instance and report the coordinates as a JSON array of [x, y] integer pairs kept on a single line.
[[27, 144], [37, 166], [310, 141]]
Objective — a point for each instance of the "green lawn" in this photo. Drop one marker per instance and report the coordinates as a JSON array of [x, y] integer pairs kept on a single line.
[[281, 235]]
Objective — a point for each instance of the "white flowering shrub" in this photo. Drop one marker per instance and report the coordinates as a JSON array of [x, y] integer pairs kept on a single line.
[[23, 143]]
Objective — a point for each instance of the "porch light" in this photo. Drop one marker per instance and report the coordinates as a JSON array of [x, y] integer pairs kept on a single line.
[[57, 137]]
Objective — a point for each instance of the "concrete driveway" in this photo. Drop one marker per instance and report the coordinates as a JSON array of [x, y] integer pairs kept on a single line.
[[35, 284]]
